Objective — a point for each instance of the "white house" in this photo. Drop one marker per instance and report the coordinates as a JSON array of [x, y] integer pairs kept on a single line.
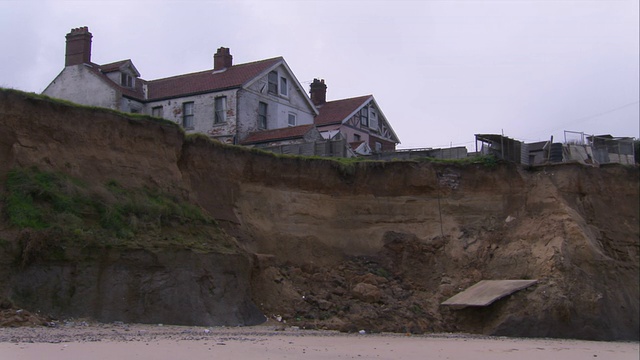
[[228, 102]]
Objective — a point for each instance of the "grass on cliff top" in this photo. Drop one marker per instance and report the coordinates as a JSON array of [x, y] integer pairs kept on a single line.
[[346, 167], [45, 98], [68, 213]]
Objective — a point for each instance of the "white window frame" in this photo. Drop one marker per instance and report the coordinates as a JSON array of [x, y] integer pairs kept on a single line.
[[188, 110], [290, 117], [220, 110], [126, 80]]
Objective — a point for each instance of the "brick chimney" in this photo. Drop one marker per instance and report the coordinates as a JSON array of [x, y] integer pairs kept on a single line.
[[318, 92], [78, 47], [222, 59]]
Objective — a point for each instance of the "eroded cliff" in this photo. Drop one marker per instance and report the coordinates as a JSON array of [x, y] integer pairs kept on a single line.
[[371, 245]]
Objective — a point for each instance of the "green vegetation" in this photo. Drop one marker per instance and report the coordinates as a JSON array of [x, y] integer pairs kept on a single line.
[[40, 97], [60, 212], [382, 272], [346, 167], [489, 161]]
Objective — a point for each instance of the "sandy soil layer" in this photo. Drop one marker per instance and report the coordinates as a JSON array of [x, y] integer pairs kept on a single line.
[[80, 340]]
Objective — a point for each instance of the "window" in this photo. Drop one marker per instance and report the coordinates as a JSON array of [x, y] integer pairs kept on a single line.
[[378, 147], [283, 86], [292, 119], [220, 110], [187, 115], [262, 115], [364, 116], [157, 111], [273, 82], [356, 137], [126, 80]]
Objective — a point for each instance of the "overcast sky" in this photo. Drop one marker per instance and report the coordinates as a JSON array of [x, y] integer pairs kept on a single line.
[[441, 71]]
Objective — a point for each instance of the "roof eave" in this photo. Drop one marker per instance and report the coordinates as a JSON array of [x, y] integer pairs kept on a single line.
[[192, 94], [384, 118], [281, 61]]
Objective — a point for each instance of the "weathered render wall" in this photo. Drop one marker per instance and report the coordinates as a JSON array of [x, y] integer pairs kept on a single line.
[[279, 106], [79, 85], [204, 110]]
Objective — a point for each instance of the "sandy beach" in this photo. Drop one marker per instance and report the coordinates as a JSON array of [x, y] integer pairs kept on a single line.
[[80, 340]]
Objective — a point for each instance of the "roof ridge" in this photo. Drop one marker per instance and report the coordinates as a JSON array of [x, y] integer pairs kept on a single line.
[[351, 98], [115, 62], [211, 70]]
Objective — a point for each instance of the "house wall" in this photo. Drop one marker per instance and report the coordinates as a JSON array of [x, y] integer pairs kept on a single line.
[[349, 133], [278, 108], [376, 131], [386, 144], [114, 76], [132, 106], [80, 85], [204, 110]]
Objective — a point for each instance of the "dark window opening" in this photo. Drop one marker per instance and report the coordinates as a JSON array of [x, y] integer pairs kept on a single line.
[[262, 115], [273, 82]]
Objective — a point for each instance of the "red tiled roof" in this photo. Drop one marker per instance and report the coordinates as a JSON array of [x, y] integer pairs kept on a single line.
[[207, 80], [292, 132], [114, 66], [182, 85], [337, 111]]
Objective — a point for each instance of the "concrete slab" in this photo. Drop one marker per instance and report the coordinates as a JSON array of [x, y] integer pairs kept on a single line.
[[486, 292]]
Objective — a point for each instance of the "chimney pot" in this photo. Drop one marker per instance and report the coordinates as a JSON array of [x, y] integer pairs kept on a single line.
[[78, 50], [222, 59], [318, 92]]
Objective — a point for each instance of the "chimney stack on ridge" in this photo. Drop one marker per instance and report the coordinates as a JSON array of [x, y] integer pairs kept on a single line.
[[222, 59], [78, 47], [318, 92]]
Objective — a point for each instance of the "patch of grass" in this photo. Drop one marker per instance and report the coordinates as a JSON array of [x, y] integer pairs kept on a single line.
[[489, 161], [61, 211], [56, 101]]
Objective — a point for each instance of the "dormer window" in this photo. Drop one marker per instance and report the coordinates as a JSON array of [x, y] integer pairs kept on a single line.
[[126, 80]]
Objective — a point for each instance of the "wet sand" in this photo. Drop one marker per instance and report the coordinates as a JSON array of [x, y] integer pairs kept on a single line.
[[122, 341]]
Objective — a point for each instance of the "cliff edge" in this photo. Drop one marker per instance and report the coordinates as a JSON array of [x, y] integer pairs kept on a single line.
[[318, 243]]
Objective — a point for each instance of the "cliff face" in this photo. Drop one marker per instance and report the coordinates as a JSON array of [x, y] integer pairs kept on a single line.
[[367, 245]]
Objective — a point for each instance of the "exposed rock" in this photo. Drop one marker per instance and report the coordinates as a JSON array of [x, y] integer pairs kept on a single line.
[[366, 292]]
